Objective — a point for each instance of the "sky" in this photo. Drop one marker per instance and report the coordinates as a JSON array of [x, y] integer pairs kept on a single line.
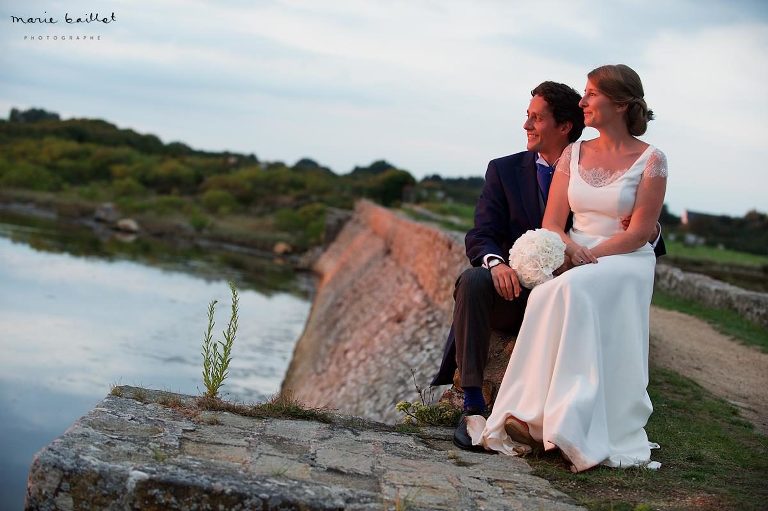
[[432, 86]]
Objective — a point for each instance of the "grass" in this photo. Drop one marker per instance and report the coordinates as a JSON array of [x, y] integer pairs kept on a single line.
[[464, 212], [403, 503], [445, 220], [282, 406], [170, 401], [711, 458], [158, 454], [715, 255], [139, 394], [116, 390], [407, 429], [424, 412], [724, 321]]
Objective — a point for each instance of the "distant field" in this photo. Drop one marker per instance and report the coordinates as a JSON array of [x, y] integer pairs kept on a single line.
[[461, 215], [462, 211], [450, 216], [715, 255]]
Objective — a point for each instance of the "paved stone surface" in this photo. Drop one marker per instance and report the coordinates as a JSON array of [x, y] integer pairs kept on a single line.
[[128, 454]]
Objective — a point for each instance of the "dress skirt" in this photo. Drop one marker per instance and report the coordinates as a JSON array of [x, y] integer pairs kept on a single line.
[[579, 370]]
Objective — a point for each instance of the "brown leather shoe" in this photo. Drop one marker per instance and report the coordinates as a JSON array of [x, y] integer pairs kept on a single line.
[[518, 431]]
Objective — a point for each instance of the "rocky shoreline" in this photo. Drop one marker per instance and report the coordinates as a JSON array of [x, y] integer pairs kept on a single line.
[[106, 221]]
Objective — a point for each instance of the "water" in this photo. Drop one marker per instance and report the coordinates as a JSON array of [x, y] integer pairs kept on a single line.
[[73, 325]]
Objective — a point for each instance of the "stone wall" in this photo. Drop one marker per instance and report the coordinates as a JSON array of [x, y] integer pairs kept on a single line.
[[382, 309], [751, 305]]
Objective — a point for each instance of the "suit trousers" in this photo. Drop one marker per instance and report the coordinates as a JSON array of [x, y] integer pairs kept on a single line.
[[479, 309]]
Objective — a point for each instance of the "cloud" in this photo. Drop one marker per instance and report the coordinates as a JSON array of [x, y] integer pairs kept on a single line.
[[708, 95], [431, 86], [712, 81]]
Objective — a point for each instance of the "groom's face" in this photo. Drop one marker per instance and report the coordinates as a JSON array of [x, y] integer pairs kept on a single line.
[[544, 134]]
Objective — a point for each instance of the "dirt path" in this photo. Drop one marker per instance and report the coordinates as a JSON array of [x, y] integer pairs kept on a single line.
[[718, 363]]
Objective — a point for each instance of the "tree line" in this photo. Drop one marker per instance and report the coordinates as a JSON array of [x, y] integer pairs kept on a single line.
[[95, 159]]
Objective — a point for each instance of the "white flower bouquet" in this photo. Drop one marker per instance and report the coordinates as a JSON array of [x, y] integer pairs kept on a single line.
[[535, 255]]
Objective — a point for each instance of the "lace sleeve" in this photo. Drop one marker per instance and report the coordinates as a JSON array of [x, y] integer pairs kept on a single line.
[[656, 165], [564, 162]]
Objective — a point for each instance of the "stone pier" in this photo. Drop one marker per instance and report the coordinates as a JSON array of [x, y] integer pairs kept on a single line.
[[142, 449]]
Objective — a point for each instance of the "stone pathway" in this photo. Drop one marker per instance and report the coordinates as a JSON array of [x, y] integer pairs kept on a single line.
[[126, 454]]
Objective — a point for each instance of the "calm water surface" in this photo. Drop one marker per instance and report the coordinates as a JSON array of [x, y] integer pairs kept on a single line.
[[73, 325]]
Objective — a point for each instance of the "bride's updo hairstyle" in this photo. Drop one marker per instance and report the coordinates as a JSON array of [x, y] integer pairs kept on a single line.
[[622, 85]]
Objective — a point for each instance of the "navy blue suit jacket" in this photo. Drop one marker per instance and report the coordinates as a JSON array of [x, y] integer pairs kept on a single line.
[[509, 205]]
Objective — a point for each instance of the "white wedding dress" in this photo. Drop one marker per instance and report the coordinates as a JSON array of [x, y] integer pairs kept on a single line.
[[579, 370]]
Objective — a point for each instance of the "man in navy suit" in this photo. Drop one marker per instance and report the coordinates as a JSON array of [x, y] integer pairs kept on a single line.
[[488, 295]]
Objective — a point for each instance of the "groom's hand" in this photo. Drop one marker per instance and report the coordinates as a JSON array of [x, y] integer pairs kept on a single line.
[[505, 281]]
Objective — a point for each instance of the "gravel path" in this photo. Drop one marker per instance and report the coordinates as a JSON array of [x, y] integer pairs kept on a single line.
[[718, 363]]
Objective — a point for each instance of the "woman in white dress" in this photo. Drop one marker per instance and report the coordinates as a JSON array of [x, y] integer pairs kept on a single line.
[[578, 374]]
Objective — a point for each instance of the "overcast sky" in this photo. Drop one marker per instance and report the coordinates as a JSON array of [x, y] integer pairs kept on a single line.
[[431, 86]]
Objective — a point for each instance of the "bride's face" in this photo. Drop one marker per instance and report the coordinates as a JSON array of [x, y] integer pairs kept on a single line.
[[599, 110]]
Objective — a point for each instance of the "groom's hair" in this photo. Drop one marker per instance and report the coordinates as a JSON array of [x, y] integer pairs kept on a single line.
[[564, 103]]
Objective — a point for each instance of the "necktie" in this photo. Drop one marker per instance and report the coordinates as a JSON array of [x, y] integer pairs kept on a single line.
[[544, 177]]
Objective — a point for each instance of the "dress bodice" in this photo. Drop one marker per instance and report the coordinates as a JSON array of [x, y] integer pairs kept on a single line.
[[600, 198]]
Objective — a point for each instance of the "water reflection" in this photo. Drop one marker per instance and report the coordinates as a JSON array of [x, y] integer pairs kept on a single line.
[[72, 324], [250, 268]]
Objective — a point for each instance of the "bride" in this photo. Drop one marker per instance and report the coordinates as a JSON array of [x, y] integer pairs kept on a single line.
[[578, 374]]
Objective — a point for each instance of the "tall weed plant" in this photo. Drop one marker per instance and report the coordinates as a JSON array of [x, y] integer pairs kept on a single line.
[[218, 354]]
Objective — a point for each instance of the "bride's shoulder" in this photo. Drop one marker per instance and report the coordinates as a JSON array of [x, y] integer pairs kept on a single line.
[[656, 166]]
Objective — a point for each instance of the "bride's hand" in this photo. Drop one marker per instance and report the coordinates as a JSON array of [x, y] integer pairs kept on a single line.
[[582, 255]]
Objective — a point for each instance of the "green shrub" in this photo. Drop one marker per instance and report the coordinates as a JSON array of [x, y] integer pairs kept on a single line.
[[171, 175], [169, 204], [307, 224], [127, 187], [425, 414], [242, 184], [199, 221], [219, 201], [313, 219], [388, 187], [288, 220], [422, 414], [93, 192], [31, 177]]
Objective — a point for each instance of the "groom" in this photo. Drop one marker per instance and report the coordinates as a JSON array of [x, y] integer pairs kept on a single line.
[[488, 295]]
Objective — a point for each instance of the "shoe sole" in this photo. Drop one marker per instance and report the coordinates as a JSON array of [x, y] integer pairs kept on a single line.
[[518, 432]]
